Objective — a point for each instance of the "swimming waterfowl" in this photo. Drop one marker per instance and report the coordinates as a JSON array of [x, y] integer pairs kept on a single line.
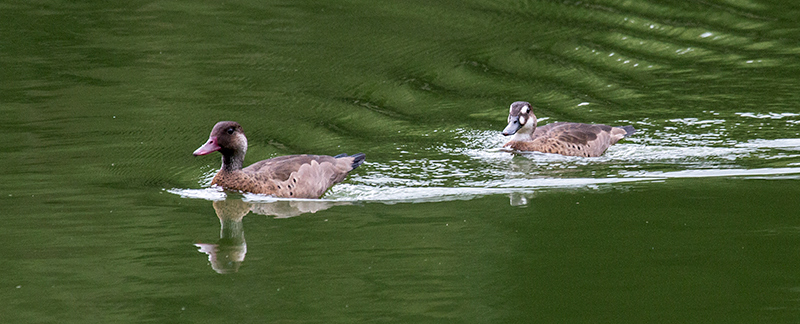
[[290, 176], [574, 139]]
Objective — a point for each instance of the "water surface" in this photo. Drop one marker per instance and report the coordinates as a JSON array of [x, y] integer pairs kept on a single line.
[[108, 217]]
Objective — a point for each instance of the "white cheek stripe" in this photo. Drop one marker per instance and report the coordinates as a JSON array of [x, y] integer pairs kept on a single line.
[[522, 120], [242, 138]]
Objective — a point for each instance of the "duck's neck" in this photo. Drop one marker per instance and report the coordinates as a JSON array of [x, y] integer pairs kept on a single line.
[[525, 133], [521, 137], [232, 161]]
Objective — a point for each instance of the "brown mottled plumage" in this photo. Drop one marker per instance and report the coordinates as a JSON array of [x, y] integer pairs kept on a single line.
[[575, 139], [291, 176]]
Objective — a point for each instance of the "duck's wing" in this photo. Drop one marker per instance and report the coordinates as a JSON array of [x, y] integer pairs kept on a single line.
[[305, 176], [280, 168], [578, 139]]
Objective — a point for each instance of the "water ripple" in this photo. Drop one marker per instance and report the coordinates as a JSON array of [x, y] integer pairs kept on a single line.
[[477, 167]]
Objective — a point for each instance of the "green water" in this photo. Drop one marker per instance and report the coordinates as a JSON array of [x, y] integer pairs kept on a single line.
[[107, 216]]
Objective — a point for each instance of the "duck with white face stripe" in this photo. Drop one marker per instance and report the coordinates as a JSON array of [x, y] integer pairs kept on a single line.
[[521, 121], [574, 139]]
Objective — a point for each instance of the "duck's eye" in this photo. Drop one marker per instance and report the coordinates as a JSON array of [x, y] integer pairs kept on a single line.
[[229, 130]]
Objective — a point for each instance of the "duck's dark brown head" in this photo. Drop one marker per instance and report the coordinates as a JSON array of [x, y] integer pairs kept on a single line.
[[228, 138]]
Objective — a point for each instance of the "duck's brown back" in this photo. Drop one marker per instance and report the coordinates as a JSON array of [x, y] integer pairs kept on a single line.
[[291, 176], [573, 139]]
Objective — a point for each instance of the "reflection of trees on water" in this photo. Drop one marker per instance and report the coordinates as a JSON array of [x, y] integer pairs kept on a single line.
[[228, 253]]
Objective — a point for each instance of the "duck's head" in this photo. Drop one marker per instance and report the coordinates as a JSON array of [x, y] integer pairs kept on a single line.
[[521, 120], [228, 138]]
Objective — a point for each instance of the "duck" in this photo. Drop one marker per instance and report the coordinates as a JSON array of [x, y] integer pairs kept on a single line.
[[289, 176], [571, 139]]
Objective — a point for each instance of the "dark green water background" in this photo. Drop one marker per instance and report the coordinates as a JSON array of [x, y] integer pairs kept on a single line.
[[107, 216]]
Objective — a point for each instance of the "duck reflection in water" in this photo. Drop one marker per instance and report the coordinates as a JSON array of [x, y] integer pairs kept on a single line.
[[227, 255]]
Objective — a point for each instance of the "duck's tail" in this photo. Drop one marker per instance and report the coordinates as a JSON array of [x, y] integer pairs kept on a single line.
[[629, 130], [358, 158]]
